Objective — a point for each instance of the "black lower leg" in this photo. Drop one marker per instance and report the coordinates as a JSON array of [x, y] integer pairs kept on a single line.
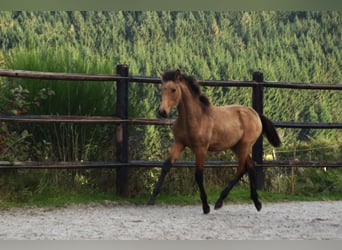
[[166, 168], [226, 191], [203, 195], [254, 194]]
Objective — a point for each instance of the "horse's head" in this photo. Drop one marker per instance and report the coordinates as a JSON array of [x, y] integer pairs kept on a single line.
[[171, 92]]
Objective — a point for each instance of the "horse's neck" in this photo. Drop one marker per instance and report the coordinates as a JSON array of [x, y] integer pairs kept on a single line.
[[189, 109]]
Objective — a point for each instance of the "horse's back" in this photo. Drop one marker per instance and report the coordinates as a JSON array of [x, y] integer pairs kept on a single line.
[[249, 119], [236, 113]]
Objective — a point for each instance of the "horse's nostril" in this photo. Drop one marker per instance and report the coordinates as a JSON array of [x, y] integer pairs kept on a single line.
[[162, 113]]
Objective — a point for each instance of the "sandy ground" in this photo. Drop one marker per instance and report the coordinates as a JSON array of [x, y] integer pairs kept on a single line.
[[292, 220]]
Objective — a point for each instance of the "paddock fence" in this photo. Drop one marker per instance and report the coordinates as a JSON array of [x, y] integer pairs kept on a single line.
[[122, 79]]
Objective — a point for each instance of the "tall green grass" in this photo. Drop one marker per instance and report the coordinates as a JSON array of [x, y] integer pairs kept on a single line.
[[71, 97], [67, 142]]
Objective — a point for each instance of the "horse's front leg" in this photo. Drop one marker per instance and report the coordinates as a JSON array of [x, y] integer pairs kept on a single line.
[[200, 159], [176, 150]]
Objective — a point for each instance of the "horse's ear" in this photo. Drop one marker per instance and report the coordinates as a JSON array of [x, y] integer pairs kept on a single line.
[[178, 74]]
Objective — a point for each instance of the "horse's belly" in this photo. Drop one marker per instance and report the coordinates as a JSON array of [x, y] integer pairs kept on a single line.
[[223, 141], [225, 136], [220, 146]]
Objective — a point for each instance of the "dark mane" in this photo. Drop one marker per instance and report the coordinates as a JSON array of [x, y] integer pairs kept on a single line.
[[191, 82]]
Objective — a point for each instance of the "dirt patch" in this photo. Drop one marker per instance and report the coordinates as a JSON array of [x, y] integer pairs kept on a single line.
[[292, 220]]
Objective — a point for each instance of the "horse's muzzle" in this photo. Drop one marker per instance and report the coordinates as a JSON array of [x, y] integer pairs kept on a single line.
[[162, 113]]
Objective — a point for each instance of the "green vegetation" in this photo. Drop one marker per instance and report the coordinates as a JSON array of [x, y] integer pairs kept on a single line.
[[286, 46], [57, 198]]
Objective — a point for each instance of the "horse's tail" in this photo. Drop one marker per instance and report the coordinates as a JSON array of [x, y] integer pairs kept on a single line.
[[269, 130]]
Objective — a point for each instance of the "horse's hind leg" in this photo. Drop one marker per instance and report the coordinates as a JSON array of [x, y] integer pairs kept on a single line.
[[242, 154], [252, 181], [229, 187]]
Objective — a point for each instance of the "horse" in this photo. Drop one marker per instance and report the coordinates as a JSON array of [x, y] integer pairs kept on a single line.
[[204, 127]]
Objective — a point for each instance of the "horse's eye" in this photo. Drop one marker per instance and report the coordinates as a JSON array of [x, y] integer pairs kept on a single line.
[[173, 90]]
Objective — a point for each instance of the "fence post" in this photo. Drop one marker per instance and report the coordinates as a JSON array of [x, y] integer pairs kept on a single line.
[[257, 151], [122, 130]]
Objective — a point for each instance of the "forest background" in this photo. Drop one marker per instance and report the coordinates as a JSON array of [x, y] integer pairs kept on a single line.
[[286, 46]]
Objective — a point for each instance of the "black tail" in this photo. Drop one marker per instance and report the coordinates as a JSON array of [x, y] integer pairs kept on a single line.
[[269, 130]]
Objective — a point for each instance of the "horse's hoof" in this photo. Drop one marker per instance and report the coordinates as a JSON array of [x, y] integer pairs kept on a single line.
[[150, 202], [218, 204], [258, 206], [206, 209]]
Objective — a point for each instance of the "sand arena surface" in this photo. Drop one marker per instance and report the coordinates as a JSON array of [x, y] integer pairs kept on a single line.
[[290, 220]]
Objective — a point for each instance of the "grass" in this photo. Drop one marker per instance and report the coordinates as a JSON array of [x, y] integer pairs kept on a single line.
[[57, 198]]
